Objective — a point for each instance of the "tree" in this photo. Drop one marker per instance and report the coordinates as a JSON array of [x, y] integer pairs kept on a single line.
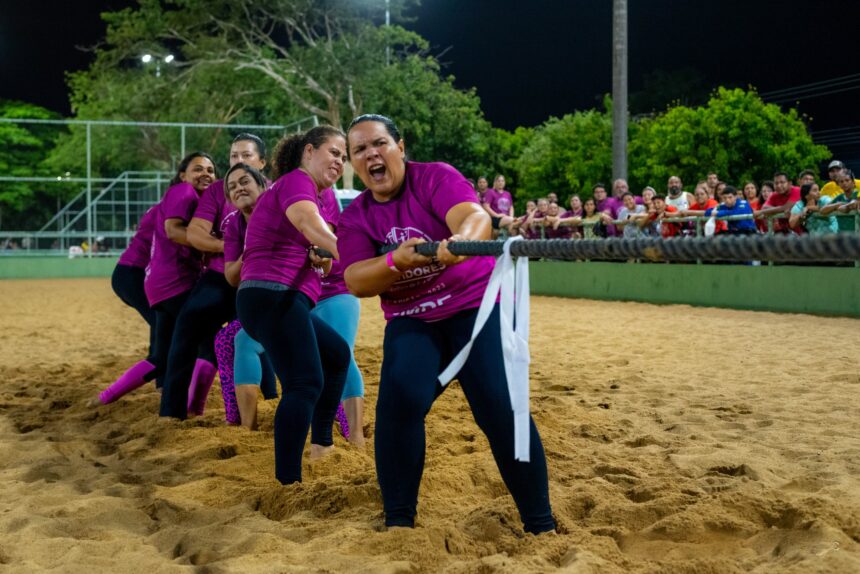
[[735, 134], [314, 51], [219, 95], [567, 155], [266, 62], [438, 121], [23, 148]]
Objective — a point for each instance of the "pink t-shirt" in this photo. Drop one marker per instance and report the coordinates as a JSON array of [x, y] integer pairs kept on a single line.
[[137, 252], [173, 268], [434, 291], [274, 249], [234, 227], [332, 284], [499, 201], [213, 207]]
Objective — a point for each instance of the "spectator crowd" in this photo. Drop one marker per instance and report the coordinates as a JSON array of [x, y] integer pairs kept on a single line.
[[780, 205]]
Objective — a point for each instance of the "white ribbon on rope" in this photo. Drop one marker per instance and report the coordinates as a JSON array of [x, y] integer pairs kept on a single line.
[[512, 279]]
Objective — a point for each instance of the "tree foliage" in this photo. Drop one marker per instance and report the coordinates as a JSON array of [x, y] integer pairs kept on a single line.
[[266, 62], [567, 154], [735, 134], [23, 149]]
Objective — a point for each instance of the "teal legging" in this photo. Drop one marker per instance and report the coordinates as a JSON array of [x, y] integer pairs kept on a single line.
[[340, 312]]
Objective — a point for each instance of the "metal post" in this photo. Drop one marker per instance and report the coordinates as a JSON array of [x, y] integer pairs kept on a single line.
[[699, 233], [127, 209], [619, 89], [182, 143], [770, 232], [387, 25], [89, 189], [857, 230]]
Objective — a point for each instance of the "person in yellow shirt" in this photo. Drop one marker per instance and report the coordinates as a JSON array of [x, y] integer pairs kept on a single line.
[[831, 188]]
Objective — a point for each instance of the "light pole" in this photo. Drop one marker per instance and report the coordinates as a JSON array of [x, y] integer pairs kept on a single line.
[[147, 58], [387, 25], [619, 89]]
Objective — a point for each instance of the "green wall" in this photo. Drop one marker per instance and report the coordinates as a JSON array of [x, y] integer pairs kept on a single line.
[[820, 290], [12, 267]]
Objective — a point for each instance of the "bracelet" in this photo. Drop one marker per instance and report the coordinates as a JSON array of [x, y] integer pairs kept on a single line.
[[389, 260]]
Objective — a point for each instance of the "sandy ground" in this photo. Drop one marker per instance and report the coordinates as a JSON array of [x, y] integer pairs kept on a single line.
[[679, 440]]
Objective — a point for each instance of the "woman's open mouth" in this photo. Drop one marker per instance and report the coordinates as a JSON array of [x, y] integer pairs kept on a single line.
[[377, 172]]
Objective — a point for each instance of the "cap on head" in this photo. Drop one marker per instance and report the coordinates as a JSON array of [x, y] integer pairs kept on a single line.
[[835, 164]]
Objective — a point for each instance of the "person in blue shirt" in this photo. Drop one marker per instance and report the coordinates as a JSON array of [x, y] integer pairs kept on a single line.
[[732, 205]]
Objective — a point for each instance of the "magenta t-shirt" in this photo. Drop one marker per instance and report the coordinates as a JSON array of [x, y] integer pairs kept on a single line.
[[499, 201], [213, 207], [434, 291], [332, 284], [234, 227], [613, 205], [274, 249], [173, 268], [137, 252]]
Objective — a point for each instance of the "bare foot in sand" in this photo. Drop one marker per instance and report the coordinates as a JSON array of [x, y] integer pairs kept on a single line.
[[318, 451]]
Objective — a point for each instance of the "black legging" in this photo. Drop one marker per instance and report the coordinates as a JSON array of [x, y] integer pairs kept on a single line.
[[127, 283], [166, 313], [311, 360], [415, 352], [210, 304]]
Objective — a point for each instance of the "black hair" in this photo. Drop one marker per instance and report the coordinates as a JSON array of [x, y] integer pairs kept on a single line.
[[596, 185], [768, 183], [783, 174], [804, 190], [252, 171], [659, 196], [256, 140], [730, 189], [183, 165], [625, 194], [848, 172], [584, 203], [389, 124], [288, 153], [806, 172]]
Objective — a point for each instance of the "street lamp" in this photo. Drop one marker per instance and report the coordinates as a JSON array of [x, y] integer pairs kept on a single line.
[[147, 58]]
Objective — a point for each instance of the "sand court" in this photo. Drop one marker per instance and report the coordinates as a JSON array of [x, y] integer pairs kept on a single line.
[[678, 439]]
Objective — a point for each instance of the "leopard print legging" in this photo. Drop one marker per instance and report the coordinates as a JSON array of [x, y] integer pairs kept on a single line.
[[224, 353]]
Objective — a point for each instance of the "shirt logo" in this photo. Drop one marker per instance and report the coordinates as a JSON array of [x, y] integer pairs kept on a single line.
[[401, 234]]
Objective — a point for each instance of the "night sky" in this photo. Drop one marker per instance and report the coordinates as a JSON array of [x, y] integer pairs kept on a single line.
[[532, 60]]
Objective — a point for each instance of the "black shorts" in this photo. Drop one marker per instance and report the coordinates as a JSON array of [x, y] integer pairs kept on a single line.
[[495, 221]]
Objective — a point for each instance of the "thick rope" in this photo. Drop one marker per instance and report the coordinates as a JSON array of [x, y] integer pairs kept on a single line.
[[737, 248]]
